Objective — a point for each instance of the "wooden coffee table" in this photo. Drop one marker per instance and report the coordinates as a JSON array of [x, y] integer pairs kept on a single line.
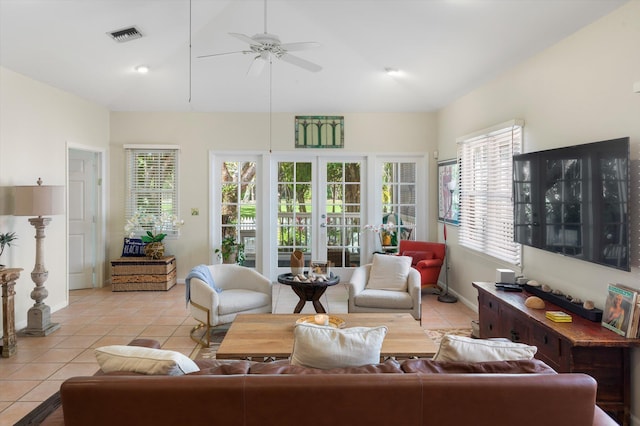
[[260, 336]]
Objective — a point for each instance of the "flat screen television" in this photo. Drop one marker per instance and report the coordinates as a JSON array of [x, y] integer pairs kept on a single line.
[[575, 201]]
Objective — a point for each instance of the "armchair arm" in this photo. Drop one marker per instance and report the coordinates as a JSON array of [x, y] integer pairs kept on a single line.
[[428, 263], [414, 288], [358, 280], [203, 299]]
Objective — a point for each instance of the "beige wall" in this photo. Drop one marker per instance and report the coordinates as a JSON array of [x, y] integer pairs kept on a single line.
[[576, 92], [37, 122], [199, 133]]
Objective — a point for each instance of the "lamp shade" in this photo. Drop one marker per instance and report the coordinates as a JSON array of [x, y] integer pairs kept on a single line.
[[39, 200]]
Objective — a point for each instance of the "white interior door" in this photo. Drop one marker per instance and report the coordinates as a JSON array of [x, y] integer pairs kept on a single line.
[[82, 218]]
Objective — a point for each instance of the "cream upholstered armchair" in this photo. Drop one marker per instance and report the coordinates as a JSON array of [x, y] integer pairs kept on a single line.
[[217, 293], [387, 285]]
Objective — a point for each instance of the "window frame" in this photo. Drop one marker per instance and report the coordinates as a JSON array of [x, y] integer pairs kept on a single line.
[[485, 161]]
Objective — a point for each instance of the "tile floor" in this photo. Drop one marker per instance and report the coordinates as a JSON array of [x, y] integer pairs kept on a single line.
[[99, 317]]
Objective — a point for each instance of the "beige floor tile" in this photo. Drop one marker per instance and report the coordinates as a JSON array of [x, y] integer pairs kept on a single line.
[[127, 330], [43, 391], [36, 371], [77, 341], [59, 355], [7, 369], [112, 340], [159, 330], [15, 412], [94, 330], [12, 390], [75, 369], [178, 342]]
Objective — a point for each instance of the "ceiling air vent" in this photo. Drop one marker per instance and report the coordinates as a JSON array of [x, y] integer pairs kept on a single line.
[[125, 34]]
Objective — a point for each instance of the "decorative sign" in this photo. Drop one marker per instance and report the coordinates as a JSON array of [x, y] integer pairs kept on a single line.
[[326, 131], [133, 247]]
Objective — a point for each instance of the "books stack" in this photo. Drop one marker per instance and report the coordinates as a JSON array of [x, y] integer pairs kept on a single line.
[[558, 316], [622, 311]]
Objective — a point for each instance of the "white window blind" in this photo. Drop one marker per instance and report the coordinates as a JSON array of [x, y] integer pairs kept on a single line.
[[152, 188], [486, 195]]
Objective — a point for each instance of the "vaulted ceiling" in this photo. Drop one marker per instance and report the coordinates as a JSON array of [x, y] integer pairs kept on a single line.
[[442, 48]]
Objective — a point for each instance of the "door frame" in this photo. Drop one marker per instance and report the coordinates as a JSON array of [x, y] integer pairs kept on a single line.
[[100, 219]]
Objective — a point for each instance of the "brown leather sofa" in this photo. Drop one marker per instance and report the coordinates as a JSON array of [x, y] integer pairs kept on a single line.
[[412, 392]]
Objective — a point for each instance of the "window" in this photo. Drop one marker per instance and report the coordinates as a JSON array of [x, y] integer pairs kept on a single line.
[[486, 197], [152, 187]]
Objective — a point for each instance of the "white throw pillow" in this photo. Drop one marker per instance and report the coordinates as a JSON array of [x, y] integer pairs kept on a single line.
[[143, 360], [467, 349], [389, 272], [328, 347]]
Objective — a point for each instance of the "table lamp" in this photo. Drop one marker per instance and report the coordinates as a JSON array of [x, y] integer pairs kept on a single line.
[[39, 200]]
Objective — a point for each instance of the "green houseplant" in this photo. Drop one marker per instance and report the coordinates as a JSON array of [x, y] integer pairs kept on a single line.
[[5, 241], [231, 251]]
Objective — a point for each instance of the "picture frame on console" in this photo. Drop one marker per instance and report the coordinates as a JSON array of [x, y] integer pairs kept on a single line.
[[448, 194]]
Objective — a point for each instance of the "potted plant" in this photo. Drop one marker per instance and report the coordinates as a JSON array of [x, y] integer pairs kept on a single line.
[[231, 251], [5, 241], [154, 247]]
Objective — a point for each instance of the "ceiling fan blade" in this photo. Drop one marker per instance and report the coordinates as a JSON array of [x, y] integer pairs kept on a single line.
[[303, 45], [246, 39], [256, 66], [225, 53], [303, 63]]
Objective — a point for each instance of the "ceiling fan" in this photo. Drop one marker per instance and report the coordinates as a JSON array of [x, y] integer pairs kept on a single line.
[[267, 46]]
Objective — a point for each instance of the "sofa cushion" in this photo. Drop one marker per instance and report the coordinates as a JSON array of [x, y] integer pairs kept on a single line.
[[143, 360], [238, 300], [417, 256], [523, 366], [389, 272], [383, 299], [467, 349], [284, 367], [328, 347]]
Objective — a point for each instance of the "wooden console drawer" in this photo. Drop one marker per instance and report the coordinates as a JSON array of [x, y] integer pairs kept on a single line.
[[548, 343]]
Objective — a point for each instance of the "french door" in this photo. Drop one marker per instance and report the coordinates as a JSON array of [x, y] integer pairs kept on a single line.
[[318, 210], [275, 204]]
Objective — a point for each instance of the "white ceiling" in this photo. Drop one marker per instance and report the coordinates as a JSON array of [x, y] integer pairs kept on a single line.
[[445, 48]]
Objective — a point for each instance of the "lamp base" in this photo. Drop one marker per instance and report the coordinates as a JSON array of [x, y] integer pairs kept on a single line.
[[39, 322], [447, 298]]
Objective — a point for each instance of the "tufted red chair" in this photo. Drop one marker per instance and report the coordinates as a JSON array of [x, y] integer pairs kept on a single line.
[[427, 259]]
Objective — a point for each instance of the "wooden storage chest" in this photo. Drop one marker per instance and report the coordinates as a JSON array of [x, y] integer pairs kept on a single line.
[[143, 273]]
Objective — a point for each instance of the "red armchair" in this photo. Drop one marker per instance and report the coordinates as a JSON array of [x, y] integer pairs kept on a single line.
[[427, 259]]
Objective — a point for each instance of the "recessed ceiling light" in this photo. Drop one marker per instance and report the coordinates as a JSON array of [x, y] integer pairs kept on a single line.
[[392, 71], [142, 69]]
